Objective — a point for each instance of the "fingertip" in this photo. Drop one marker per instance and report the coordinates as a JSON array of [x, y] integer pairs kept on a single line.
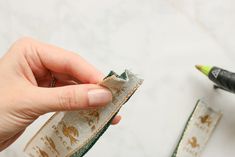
[[116, 120], [96, 77]]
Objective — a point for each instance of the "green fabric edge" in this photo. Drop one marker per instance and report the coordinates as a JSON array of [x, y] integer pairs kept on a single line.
[[185, 128], [122, 76], [91, 143]]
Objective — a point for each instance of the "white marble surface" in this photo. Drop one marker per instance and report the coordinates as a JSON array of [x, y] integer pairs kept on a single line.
[[161, 40]]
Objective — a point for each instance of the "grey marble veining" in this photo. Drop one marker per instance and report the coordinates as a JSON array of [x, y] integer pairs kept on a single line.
[[161, 40]]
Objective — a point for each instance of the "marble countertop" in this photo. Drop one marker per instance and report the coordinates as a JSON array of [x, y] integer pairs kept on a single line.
[[161, 40]]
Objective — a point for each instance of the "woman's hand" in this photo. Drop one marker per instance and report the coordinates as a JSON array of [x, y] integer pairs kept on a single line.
[[29, 70]]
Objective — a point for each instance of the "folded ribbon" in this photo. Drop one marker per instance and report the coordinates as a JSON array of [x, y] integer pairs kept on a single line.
[[72, 134]]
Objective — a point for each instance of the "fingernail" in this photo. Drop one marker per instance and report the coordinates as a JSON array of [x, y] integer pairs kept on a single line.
[[99, 97]]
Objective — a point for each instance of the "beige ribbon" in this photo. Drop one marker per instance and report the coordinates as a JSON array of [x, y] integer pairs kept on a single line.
[[72, 134], [198, 130]]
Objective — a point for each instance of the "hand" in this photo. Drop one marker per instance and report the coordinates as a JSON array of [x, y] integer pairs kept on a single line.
[[27, 72]]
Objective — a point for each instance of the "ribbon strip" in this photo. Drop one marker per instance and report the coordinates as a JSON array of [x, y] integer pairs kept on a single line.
[[72, 134], [198, 130]]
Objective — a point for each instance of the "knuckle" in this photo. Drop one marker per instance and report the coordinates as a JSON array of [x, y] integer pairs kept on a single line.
[[24, 40], [68, 99], [22, 44]]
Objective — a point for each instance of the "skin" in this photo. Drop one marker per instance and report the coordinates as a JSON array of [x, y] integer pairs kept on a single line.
[[25, 85]]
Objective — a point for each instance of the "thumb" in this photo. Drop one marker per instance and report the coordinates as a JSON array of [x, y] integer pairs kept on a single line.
[[71, 97]]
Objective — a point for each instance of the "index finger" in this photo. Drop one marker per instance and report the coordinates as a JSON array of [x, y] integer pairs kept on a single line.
[[62, 61]]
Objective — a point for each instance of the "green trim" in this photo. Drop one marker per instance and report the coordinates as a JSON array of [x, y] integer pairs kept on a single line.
[[184, 130], [91, 143]]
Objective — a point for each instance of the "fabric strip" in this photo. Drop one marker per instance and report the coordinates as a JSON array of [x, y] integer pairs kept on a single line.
[[72, 134], [198, 130]]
